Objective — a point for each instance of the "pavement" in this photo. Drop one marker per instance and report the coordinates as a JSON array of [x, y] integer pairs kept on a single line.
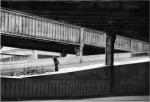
[[88, 65], [104, 99]]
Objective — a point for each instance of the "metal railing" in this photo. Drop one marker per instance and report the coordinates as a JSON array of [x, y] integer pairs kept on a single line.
[[123, 43], [94, 37], [23, 24]]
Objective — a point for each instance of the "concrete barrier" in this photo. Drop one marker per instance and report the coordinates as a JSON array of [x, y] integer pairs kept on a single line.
[[132, 79]]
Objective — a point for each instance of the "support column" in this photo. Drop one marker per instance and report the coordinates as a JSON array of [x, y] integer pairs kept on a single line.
[[148, 52], [79, 50], [132, 49], [109, 49], [34, 54]]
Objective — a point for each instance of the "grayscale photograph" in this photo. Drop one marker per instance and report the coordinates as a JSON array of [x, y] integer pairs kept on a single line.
[[74, 50]]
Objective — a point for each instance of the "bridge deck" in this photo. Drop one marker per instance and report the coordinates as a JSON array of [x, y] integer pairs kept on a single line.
[[22, 25]]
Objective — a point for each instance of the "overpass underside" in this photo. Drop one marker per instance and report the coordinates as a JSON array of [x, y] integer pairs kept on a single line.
[[32, 32], [36, 44]]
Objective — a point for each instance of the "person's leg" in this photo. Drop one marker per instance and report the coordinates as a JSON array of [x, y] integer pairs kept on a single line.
[[56, 68]]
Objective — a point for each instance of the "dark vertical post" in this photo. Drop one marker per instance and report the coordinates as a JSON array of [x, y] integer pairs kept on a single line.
[[109, 51], [132, 48]]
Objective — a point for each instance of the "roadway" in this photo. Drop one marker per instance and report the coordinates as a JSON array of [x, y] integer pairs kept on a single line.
[[101, 99], [88, 65]]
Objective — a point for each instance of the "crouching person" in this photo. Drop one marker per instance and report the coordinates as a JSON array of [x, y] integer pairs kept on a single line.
[[56, 63]]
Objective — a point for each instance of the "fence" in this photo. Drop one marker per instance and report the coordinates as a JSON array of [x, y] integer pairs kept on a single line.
[[129, 79]]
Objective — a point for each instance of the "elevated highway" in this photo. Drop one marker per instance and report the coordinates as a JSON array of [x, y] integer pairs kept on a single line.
[[93, 77], [19, 29]]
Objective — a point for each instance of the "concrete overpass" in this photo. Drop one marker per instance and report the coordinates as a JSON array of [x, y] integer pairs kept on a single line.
[[24, 30], [19, 29]]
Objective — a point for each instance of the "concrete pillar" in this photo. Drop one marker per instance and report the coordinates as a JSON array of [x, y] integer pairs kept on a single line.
[[109, 49], [1, 46], [132, 49], [79, 50], [148, 52], [148, 49], [34, 54]]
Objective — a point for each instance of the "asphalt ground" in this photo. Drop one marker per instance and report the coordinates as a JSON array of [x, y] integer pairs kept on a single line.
[[105, 99]]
